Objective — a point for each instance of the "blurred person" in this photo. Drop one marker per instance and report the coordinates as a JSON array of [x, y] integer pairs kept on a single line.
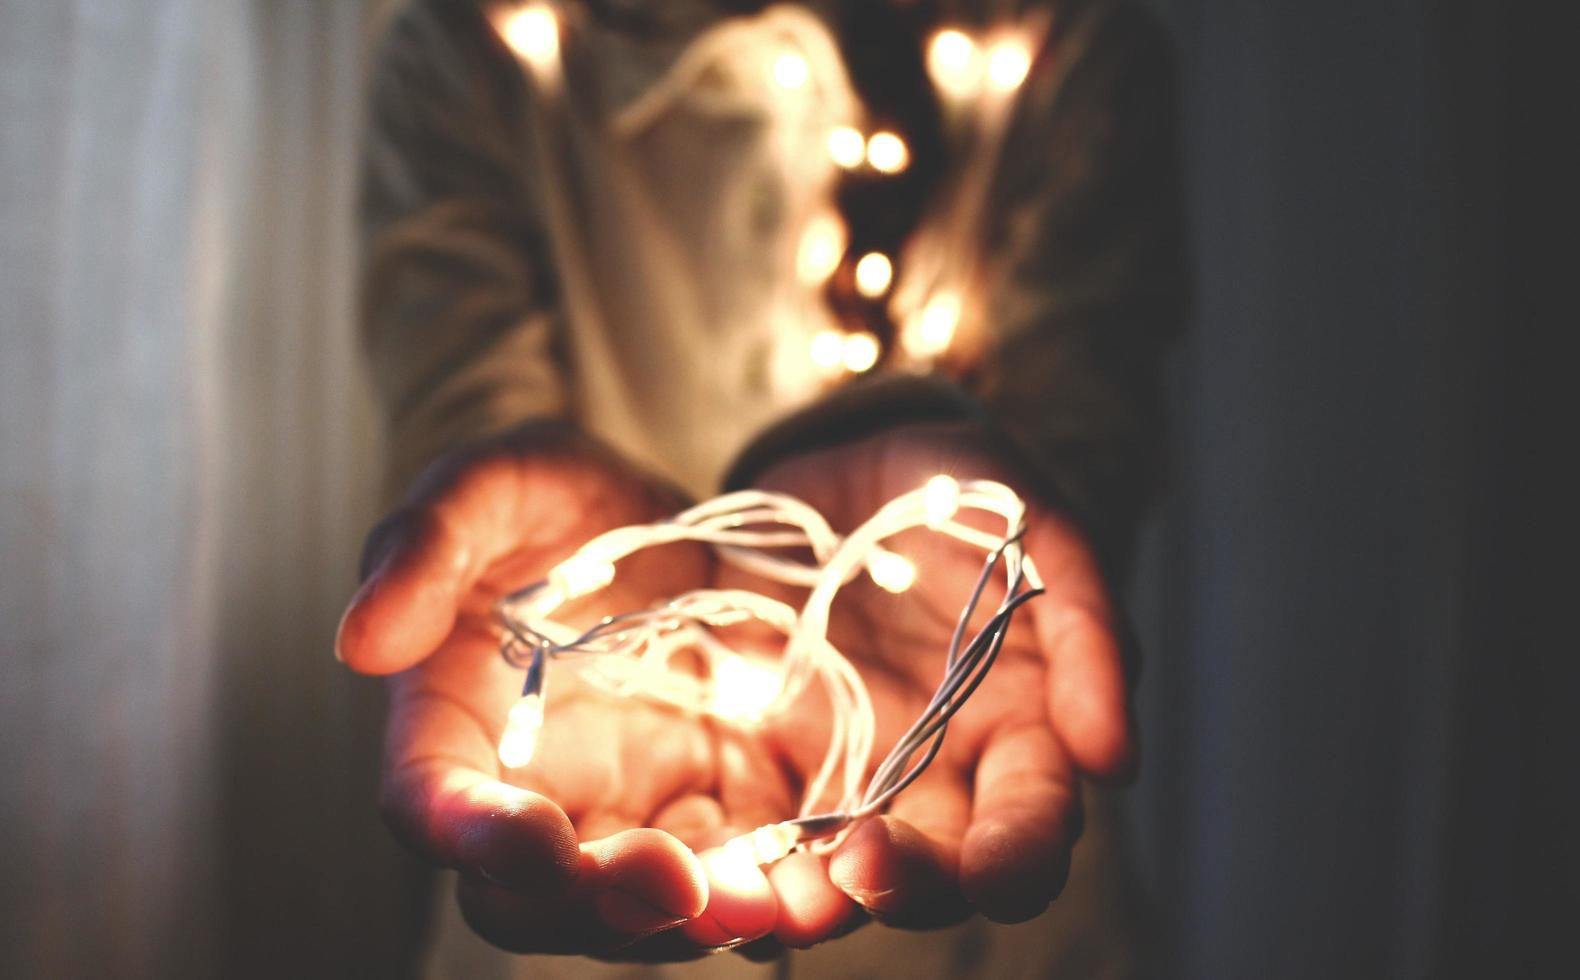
[[594, 286]]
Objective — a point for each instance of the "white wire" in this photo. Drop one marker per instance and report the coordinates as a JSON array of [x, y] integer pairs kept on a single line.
[[630, 655]]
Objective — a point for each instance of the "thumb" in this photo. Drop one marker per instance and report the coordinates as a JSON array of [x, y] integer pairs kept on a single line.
[[423, 560]]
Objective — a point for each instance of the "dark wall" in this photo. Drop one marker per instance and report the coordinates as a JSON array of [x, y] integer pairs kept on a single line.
[[1354, 721]]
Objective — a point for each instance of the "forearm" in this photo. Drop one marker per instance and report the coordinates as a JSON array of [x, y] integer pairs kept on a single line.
[[459, 312], [460, 343], [1082, 285], [1087, 270]]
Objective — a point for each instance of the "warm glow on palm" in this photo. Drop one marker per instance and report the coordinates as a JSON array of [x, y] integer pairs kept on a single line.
[[987, 827]]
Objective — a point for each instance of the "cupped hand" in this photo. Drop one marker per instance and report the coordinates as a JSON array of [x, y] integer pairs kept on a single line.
[[990, 825], [591, 848]]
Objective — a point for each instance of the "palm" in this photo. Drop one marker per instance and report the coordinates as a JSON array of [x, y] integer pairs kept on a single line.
[[990, 822], [648, 766], [611, 764], [899, 642]]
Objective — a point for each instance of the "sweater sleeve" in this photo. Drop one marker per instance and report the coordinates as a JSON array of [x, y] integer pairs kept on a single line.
[[1086, 267], [458, 303]]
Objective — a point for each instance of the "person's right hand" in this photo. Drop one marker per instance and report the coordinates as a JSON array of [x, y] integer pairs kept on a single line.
[[561, 855]]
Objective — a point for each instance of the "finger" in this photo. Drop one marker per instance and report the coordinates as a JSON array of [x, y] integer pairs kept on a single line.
[[697, 820], [752, 788], [644, 880], [424, 559], [600, 824], [811, 908], [468, 820], [899, 875], [938, 804], [741, 903], [903, 868], [629, 887], [1088, 700], [440, 795], [1025, 818]]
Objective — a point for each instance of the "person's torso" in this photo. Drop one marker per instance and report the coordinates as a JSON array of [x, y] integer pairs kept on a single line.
[[678, 196]]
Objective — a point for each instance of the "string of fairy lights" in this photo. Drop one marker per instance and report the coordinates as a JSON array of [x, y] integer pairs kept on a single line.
[[652, 653], [840, 253], [675, 653]]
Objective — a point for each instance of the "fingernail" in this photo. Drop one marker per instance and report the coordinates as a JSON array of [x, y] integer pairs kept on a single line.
[[340, 627], [356, 600], [624, 912], [871, 902]]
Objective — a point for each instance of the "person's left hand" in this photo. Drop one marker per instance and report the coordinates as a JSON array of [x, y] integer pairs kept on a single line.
[[989, 827]]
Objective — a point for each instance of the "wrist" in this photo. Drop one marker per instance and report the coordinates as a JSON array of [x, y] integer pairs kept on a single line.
[[855, 412], [890, 404]]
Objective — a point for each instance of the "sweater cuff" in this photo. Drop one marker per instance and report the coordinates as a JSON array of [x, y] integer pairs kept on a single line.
[[854, 412], [870, 406]]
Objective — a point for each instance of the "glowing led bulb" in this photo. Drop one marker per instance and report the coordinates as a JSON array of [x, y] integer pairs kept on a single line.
[[954, 63], [580, 574], [940, 500], [887, 153], [533, 32], [892, 572], [744, 688], [521, 731], [929, 331], [790, 70], [828, 350], [765, 845], [861, 351], [847, 146], [1008, 62], [874, 272], [634, 653], [822, 244]]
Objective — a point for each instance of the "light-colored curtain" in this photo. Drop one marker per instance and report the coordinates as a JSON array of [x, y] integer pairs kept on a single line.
[[187, 464]]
